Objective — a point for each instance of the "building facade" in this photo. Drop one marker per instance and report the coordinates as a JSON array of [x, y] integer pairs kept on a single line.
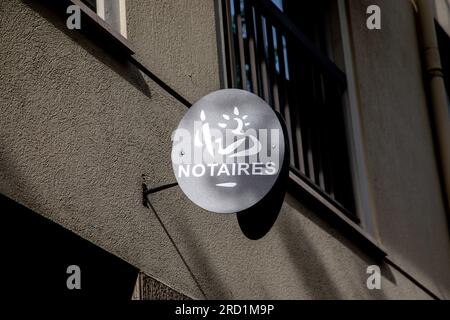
[[87, 116]]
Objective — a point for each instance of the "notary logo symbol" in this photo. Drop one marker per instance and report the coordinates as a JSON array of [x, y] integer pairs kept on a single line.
[[203, 138]]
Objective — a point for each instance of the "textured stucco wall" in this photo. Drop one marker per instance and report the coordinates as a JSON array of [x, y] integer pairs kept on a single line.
[[177, 41], [401, 159], [77, 130]]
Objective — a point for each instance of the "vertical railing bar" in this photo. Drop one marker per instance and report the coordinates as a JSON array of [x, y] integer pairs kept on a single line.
[[329, 105], [251, 45], [324, 134], [319, 135], [315, 139], [247, 66], [281, 74], [298, 88], [283, 95], [237, 13], [230, 45], [247, 58], [309, 129], [257, 53], [237, 61], [308, 84], [271, 68], [287, 115], [262, 56]]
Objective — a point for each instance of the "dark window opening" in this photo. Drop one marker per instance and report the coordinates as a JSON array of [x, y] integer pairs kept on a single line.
[[286, 52]]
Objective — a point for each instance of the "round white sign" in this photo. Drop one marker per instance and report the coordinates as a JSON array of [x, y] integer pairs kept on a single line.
[[228, 150]]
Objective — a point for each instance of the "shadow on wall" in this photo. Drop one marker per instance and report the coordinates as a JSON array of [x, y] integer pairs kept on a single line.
[[266, 211], [104, 51], [318, 268], [325, 272], [36, 253]]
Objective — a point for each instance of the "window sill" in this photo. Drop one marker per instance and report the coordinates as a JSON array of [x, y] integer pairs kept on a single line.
[[334, 215]]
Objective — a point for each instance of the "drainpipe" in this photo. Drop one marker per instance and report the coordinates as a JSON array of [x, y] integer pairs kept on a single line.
[[436, 88]]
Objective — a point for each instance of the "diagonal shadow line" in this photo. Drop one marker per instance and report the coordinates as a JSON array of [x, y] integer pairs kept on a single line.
[[176, 248]]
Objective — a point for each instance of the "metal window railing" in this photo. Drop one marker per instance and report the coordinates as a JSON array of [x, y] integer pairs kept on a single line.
[[268, 55]]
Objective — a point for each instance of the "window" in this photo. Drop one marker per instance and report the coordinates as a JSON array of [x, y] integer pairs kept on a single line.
[[290, 53], [111, 11]]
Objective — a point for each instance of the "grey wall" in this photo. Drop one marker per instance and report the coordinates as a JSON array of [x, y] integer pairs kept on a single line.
[[78, 128], [402, 166], [177, 41]]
